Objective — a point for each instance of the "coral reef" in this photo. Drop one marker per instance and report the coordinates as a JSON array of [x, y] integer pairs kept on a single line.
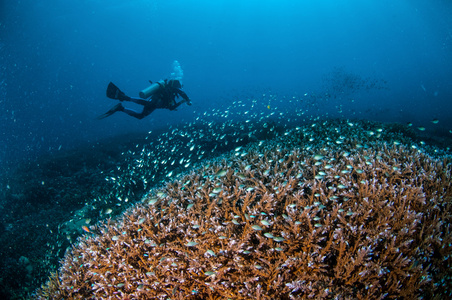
[[323, 211], [53, 197]]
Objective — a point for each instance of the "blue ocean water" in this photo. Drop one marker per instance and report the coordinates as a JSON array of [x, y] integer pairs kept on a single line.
[[58, 57], [386, 61]]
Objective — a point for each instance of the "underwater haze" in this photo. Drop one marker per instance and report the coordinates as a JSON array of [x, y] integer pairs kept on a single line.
[[57, 58], [254, 71]]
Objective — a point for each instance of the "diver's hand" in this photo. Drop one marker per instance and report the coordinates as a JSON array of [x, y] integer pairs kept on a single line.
[[188, 102]]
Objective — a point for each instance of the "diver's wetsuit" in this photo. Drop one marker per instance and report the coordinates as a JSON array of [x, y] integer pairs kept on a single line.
[[165, 98]]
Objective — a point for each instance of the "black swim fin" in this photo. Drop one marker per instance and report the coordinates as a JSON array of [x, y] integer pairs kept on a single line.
[[117, 107], [113, 92]]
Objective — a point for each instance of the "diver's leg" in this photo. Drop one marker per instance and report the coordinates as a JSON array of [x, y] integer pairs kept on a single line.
[[138, 101], [146, 111], [133, 113]]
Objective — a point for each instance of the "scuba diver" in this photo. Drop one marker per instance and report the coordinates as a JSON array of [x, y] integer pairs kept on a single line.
[[161, 94]]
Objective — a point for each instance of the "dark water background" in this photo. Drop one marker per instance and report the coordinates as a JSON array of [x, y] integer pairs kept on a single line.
[[386, 61], [57, 58]]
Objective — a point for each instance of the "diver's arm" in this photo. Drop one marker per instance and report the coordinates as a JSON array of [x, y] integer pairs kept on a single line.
[[178, 104], [183, 95]]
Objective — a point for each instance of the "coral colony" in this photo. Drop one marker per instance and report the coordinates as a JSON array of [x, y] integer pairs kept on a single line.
[[329, 211]]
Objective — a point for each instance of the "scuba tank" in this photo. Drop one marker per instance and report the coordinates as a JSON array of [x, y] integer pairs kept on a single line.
[[152, 89]]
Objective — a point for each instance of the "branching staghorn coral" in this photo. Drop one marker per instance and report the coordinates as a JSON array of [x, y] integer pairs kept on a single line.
[[322, 212]]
